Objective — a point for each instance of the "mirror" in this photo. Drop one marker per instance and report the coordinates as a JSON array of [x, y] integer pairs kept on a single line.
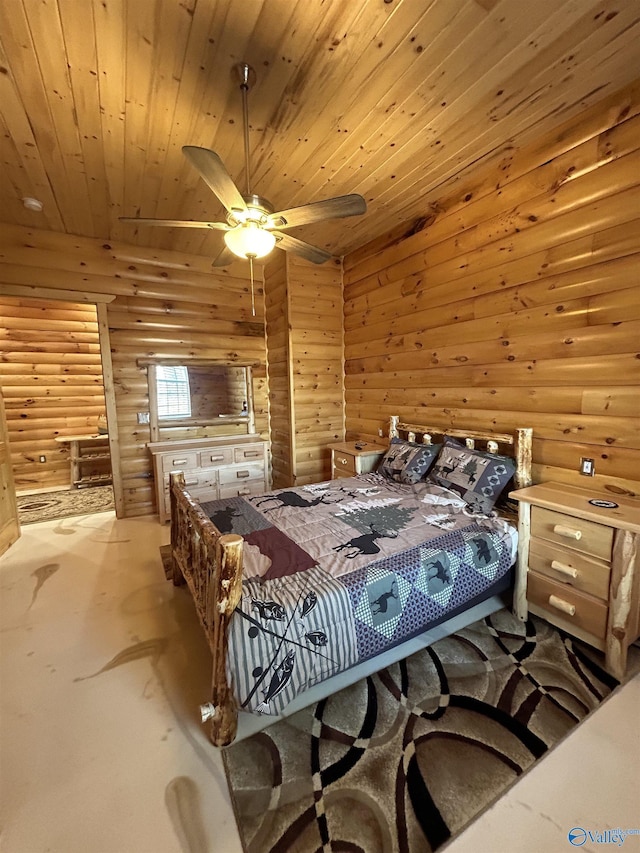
[[199, 399]]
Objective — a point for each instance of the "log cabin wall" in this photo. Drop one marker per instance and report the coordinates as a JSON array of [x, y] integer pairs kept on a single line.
[[306, 367], [515, 303], [167, 305], [317, 365], [51, 376], [278, 346]]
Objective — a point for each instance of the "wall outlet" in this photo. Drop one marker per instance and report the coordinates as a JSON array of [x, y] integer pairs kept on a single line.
[[587, 467], [143, 417], [380, 433], [43, 458]]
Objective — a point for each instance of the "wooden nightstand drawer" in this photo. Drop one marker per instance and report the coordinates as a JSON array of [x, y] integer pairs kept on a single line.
[[588, 537], [344, 464], [566, 606], [566, 566], [350, 458]]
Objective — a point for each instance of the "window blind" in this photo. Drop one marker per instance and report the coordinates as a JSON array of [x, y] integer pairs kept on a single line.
[[174, 397]]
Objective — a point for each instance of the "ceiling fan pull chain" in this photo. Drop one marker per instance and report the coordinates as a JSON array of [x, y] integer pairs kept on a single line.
[[253, 303]]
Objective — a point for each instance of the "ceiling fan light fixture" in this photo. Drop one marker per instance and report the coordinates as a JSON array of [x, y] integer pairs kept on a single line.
[[249, 240]]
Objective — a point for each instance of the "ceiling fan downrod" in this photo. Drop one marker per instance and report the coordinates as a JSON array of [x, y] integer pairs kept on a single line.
[[246, 77]]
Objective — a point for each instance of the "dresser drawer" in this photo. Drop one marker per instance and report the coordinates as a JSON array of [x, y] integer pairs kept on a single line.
[[588, 537], [198, 479], [344, 464], [570, 567], [215, 456], [240, 473], [566, 606], [249, 487], [248, 452], [180, 461]]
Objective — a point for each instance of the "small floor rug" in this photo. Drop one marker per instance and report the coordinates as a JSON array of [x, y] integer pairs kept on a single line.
[[404, 760], [51, 505]]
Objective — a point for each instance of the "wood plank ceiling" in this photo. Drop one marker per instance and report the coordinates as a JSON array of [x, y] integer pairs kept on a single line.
[[393, 99]]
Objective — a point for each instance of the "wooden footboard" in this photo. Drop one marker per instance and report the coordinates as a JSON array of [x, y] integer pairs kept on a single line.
[[211, 564]]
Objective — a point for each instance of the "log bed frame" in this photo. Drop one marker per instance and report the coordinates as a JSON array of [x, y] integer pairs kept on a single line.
[[211, 565]]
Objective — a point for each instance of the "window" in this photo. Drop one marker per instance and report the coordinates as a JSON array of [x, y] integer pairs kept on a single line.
[[174, 396]]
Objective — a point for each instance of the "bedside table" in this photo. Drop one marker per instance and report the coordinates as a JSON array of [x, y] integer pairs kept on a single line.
[[578, 565], [347, 460]]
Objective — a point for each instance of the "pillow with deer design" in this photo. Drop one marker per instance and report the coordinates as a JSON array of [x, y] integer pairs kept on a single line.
[[407, 462], [478, 476]]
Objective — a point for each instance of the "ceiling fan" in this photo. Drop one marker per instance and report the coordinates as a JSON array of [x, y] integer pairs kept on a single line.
[[253, 228]]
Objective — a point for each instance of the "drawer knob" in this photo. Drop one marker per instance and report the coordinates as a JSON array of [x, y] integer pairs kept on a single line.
[[342, 461], [251, 454], [216, 458], [561, 604], [564, 569], [179, 462], [242, 475], [567, 532], [191, 482]]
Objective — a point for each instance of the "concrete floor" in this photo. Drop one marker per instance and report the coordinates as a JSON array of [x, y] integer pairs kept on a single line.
[[103, 666]]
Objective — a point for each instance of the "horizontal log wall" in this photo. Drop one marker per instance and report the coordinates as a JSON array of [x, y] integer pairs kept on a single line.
[[51, 376], [305, 347], [280, 403], [317, 365], [167, 305], [515, 303]]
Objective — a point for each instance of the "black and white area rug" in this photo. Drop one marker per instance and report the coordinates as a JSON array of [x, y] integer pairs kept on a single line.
[[51, 505], [403, 761]]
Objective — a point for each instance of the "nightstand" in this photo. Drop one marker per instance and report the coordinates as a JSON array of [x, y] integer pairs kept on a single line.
[[578, 565], [354, 457]]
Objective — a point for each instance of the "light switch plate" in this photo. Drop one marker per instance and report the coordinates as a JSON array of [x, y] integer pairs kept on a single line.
[[587, 467]]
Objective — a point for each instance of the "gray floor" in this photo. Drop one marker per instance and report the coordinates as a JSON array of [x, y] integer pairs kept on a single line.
[[103, 666]]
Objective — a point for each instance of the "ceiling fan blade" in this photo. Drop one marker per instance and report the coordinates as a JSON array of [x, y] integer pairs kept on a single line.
[[224, 257], [214, 174], [176, 223], [331, 208], [303, 250]]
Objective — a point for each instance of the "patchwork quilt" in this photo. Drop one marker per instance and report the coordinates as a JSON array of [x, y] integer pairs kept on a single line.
[[337, 572]]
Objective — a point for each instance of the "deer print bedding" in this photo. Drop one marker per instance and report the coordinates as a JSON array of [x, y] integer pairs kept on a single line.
[[337, 572]]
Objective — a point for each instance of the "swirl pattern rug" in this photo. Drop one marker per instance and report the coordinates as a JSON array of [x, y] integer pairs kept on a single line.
[[46, 506], [402, 761]]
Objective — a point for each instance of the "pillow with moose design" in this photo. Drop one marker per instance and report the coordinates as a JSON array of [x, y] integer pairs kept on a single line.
[[406, 461], [478, 476]]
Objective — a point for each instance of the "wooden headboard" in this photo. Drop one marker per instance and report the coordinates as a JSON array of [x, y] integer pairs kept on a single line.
[[516, 444]]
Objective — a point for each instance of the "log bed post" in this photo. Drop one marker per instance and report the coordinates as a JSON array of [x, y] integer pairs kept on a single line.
[[211, 564], [225, 590]]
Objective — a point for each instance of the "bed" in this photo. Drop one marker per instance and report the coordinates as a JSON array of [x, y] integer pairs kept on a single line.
[[304, 590]]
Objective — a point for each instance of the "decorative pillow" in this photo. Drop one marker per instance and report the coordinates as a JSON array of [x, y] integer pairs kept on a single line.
[[476, 475], [406, 461]]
